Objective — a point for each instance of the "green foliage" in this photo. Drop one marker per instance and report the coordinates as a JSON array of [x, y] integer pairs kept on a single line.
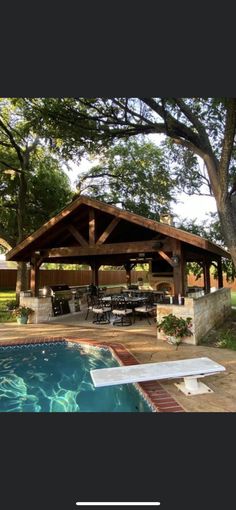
[[33, 186], [227, 340], [69, 267], [5, 297], [22, 311], [175, 326], [11, 305], [209, 230], [132, 175]]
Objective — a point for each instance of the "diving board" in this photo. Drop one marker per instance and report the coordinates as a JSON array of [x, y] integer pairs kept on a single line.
[[188, 369]]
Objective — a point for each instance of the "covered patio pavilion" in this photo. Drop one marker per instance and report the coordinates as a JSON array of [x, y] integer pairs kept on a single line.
[[91, 232]]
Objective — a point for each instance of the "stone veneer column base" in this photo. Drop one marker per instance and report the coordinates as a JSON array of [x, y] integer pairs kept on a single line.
[[42, 308]]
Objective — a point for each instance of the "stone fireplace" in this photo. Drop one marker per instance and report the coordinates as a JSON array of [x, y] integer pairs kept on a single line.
[[161, 282]]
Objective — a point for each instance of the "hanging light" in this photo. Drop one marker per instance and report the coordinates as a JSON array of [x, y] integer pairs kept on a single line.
[[175, 260]]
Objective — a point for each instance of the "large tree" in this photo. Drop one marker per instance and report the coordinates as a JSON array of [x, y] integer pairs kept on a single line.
[[133, 175], [32, 185], [204, 126]]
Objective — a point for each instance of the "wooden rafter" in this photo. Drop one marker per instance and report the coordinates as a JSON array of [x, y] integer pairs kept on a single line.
[[165, 256], [81, 240], [24, 249], [109, 229]]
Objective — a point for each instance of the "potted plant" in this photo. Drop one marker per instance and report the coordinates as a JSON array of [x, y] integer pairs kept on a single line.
[[22, 313], [175, 328]]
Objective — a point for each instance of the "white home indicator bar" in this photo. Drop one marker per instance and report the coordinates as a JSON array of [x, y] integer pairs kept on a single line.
[[118, 503]]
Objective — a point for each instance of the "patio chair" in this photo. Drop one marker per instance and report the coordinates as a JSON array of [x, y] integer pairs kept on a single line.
[[122, 313], [101, 311], [91, 302], [147, 309]]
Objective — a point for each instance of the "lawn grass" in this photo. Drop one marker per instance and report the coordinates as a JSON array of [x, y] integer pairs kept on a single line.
[[233, 298], [5, 296]]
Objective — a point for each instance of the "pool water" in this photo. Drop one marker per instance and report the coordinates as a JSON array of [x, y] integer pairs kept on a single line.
[[55, 377]]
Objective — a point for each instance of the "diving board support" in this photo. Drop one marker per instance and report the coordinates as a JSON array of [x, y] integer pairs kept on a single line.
[[191, 386], [188, 369]]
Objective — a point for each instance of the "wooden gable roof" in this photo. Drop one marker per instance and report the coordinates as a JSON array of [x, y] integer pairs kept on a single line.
[[114, 224]]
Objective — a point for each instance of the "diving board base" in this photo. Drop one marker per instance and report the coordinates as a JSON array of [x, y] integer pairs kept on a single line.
[[191, 386]]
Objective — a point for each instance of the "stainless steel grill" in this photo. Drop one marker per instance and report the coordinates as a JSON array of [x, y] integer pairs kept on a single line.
[[61, 295]]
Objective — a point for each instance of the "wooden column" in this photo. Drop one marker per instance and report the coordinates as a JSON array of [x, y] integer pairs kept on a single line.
[[207, 277], [34, 276], [95, 270], [220, 274], [127, 267], [178, 270], [91, 226]]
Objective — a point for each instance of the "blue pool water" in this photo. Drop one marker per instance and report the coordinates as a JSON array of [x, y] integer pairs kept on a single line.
[[55, 377]]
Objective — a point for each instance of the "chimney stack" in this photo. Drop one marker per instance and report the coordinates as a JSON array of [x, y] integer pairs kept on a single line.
[[167, 218]]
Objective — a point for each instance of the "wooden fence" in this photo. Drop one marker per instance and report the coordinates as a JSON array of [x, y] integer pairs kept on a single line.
[[71, 277], [83, 277]]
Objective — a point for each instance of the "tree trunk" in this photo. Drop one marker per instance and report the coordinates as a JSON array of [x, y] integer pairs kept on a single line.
[[227, 215], [226, 204], [21, 279]]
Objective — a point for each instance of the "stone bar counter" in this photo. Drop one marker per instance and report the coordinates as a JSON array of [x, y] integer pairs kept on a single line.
[[206, 312]]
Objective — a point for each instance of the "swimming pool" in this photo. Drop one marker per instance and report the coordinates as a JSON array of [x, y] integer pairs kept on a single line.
[[55, 377]]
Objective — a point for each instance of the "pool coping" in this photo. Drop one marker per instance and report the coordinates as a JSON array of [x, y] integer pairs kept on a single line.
[[152, 391]]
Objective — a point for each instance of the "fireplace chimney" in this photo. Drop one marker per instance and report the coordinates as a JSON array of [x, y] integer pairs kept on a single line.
[[167, 218]]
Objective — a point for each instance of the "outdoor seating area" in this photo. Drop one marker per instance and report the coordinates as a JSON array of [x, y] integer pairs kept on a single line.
[[124, 308]]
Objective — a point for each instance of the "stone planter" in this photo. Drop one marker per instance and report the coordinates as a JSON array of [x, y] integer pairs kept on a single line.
[[173, 340], [22, 320]]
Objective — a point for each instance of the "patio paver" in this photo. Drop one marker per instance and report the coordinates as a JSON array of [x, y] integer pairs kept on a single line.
[[140, 340]]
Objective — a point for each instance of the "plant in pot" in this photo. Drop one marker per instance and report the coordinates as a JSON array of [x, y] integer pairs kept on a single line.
[[22, 313], [175, 328]]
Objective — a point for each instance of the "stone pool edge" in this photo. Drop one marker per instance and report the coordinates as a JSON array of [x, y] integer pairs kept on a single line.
[[152, 391]]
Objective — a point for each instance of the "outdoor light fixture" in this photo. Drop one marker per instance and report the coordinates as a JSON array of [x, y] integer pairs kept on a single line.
[[175, 260]]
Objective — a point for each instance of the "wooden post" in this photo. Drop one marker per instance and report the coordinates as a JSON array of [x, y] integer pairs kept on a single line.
[[178, 269], [127, 267], [220, 274], [91, 226], [95, 276], [34, 276], [207, 277]]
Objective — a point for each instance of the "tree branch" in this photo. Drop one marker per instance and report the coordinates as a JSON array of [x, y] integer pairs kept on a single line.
[[193, 119], [173, 127], [10, 166], [13, 142]]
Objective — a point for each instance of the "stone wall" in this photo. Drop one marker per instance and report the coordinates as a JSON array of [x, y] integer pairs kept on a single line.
[[42, 308], [206, 312]]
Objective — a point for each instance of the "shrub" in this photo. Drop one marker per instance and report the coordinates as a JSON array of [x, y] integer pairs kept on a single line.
[[175, 327], [22, 311]]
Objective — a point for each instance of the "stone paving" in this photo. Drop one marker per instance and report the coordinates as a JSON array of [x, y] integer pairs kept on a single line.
[[140, 339]]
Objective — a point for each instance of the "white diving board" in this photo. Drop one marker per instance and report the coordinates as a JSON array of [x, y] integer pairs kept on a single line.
[[188, 369]]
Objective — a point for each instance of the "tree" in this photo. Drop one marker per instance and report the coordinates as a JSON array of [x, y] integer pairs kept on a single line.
[[28, 174], [209, 230], [133, 175], [203, 126]]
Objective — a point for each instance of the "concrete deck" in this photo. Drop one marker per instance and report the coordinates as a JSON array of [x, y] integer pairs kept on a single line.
[[140, 339]]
